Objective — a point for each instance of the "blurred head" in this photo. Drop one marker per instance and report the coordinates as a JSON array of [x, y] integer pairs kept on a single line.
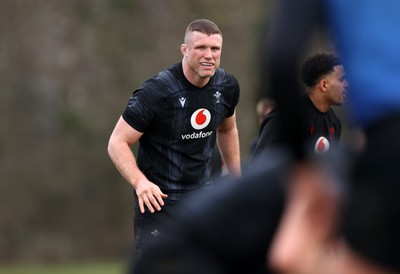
[[324, 72], [263, 107], [201, 51]]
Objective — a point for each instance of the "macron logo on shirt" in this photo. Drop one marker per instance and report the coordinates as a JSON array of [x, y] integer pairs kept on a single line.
[[182, 100]]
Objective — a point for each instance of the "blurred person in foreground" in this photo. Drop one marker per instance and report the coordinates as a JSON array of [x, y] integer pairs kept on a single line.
[[365, 33], [324, 78], [177, 117]]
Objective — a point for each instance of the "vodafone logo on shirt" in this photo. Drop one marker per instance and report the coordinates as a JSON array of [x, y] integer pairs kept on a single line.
[[322, 145], [200, 118]]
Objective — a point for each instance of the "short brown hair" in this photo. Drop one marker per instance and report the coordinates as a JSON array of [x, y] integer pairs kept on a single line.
[[204, 26]]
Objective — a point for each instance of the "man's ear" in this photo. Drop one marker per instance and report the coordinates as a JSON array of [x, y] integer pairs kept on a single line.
[[323, 85], [184, 50]]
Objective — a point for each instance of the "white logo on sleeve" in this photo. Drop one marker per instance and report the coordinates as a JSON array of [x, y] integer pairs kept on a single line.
[[200, 118]]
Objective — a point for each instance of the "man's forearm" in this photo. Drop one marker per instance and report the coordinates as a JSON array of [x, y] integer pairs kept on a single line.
[[228, 142], [125, 162]]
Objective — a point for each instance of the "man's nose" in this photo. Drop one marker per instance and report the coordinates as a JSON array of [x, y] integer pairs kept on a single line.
[[208, 53]]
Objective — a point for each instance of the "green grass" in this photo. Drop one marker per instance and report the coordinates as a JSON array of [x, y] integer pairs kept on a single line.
[[76, 268]]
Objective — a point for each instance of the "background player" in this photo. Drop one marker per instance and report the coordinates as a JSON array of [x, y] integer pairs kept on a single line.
[[324, 78]]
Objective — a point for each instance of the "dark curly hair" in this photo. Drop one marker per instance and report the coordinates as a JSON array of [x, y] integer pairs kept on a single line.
[[317, 66]]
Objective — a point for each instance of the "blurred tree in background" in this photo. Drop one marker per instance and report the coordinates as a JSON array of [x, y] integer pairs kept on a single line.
[[67, 69]]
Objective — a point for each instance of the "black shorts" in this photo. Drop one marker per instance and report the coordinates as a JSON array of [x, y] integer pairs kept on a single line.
[[148, 226]]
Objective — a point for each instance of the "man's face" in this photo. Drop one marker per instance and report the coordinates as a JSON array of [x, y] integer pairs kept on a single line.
[[337, 85], [202, 55]]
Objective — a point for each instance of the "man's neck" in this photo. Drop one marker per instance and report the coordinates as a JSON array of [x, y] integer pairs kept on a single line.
[[319, 102]]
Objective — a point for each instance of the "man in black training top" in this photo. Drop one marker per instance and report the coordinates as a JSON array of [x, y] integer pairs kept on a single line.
[[324, 77], [177, 116]]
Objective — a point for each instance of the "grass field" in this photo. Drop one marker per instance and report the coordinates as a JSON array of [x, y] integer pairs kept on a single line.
[[78, 268]]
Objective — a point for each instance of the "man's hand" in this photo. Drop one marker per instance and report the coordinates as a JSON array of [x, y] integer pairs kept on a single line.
[[149, 194]]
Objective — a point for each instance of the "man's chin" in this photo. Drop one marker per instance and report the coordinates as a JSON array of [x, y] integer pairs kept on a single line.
[[207, 74]]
